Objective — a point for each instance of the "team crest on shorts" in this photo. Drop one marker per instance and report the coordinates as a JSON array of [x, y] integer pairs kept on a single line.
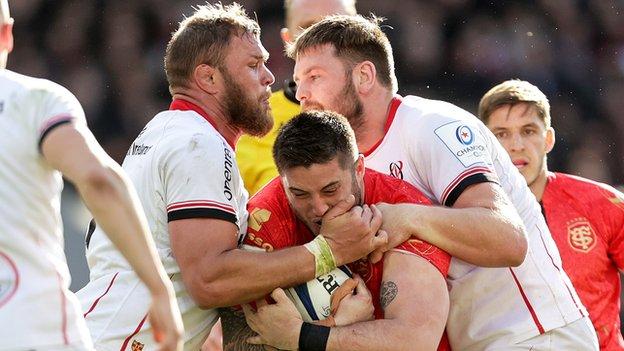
[[137, 346], [581, 236]]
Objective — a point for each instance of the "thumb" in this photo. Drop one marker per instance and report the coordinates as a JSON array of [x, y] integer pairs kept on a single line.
[[340, 208], [279, 295]]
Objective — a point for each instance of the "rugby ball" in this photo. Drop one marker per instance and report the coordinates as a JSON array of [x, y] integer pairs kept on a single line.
[[313, 299]]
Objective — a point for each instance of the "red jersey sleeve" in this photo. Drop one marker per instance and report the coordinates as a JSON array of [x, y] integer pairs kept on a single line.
[[387, 189], [614, 218], [271, 223]]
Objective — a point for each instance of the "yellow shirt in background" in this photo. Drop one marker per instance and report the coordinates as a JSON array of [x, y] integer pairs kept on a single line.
[[255, 155]]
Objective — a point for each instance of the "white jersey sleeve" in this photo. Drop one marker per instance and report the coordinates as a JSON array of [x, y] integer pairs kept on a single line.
[[449, 151], [198, 177]]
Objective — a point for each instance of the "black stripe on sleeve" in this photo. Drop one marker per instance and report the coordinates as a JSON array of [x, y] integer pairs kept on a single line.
[[90, 231], [468, 181], [201, 213], [50, 128]]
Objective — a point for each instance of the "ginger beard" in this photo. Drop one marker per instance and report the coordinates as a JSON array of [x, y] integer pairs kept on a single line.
[[347, 103], [249, 114]]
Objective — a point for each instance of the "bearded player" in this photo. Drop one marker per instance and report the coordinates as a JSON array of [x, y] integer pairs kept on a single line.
[[319, 166], [585, 218]]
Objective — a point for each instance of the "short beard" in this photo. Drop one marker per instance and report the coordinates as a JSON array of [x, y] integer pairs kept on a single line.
[[350, 104], [243, 112]]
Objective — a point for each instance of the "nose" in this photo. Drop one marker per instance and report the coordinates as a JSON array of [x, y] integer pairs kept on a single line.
[[302, 93], [269, 78], [319, 207], [516, 142]]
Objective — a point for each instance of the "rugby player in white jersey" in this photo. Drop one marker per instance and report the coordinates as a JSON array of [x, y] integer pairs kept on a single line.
[[185, 172], [43, 133], [344, 63]]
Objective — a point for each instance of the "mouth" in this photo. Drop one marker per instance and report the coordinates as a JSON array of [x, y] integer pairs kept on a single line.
[[520, 163], [311, 105]]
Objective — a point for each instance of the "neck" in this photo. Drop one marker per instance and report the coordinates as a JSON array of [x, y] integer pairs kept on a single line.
[[371, 130], [539, 184], [215, 110]]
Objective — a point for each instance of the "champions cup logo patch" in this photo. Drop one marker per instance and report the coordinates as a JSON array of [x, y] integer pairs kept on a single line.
[[464, 135], [581, 236], [396, 169]]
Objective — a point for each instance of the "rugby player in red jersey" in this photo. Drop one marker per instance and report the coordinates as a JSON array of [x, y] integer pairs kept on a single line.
[[586, 218], [319, 165]]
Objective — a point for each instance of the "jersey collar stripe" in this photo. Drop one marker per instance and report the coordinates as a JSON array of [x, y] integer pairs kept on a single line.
[[394, 106], [183, 105]]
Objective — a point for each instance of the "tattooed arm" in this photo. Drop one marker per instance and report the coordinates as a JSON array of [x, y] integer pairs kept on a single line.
[[415, 300]]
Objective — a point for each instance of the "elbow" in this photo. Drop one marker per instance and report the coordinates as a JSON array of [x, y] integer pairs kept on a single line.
[[99, 179], [518, 247], [208, 293]]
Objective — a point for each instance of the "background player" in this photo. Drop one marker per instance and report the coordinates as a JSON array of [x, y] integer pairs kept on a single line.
[[319, 166], [344, 63], [43, 133], [183, 166], [254, 153], [585, 218]]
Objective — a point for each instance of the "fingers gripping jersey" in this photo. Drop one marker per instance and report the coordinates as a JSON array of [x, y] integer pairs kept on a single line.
[[442, 150], [586, 219], [182, 168], [273, 225], [37, 309]]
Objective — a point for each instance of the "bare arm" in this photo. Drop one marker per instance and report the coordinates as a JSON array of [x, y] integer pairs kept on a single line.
[[111, 199], [217, 274], [482, 228], [415, 301]]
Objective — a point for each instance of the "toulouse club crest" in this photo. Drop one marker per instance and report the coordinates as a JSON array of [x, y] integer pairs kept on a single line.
[[581, 236], [464, 135]]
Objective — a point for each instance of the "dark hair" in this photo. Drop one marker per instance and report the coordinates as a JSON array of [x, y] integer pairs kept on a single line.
[[355, 39], [315, 137], [204, 38]]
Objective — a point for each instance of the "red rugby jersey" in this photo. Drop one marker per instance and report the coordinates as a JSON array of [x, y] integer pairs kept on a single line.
[[586, 220], [273, 225]]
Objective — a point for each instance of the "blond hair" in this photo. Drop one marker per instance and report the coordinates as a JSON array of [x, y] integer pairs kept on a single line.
[[203, 38], [511, 92]]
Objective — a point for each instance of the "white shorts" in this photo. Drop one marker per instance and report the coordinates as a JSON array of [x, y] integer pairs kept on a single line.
[[578, 336], [116, 314]]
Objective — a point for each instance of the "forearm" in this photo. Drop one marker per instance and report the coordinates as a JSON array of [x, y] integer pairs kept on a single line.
[[380, 335], [115, 207], [481, 236], [238, 276]]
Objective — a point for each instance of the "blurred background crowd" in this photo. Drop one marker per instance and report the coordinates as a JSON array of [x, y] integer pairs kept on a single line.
[[110, 54]]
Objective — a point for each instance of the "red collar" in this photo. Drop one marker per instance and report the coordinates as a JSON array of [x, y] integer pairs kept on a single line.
[[184, 105], [394, 105]]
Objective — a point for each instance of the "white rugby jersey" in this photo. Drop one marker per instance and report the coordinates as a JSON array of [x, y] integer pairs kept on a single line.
[[442, 149], [182, 168], [37, 309]]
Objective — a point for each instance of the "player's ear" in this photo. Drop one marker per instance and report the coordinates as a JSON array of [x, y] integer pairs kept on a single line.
[[364, 76], [205, 76], [550, 139], [360, 166]]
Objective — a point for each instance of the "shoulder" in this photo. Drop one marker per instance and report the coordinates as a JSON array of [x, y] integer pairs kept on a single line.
[[32, 88], [584, 189], [271, 195], [380, 187]]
